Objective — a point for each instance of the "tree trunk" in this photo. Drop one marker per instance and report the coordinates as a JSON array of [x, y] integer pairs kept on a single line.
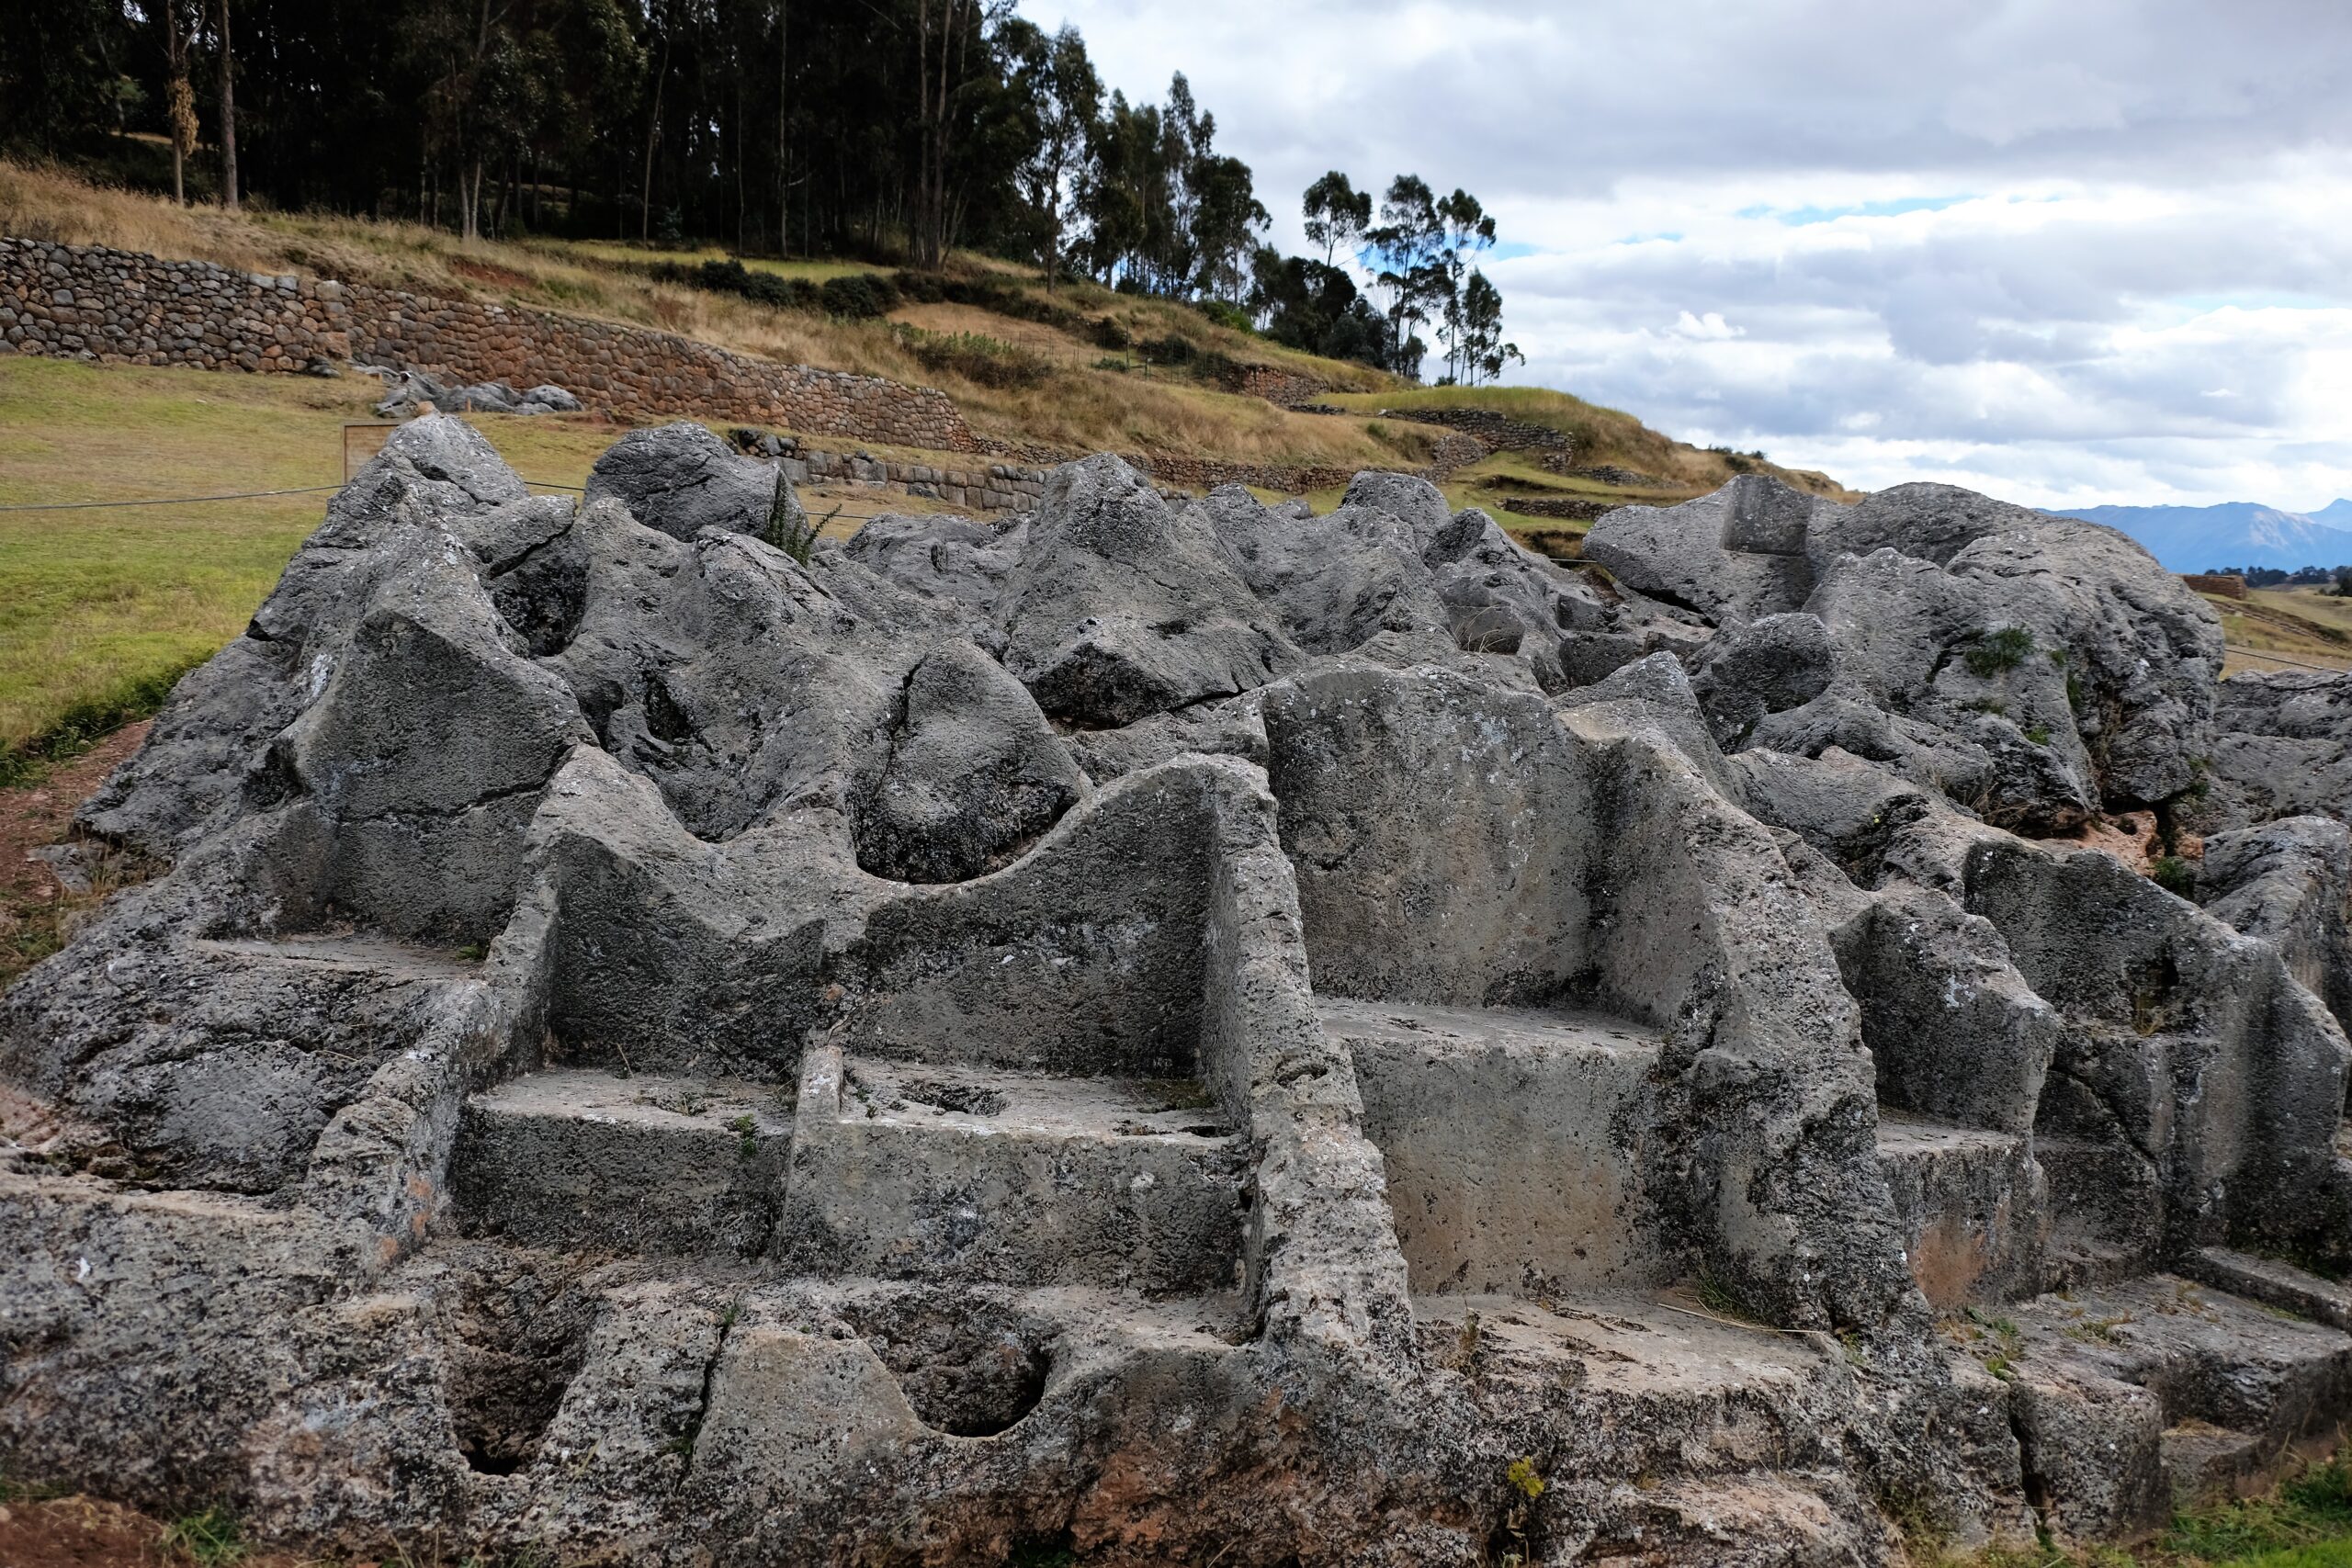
[[228, 114], [922, 135], [653, 134], [180, 106], [784, 130]]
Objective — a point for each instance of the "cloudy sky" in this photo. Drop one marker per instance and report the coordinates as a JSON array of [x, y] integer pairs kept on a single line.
[[2065, 251]]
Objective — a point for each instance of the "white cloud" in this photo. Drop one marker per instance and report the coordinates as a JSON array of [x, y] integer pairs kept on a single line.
[[1710, 326], [2065, 250]]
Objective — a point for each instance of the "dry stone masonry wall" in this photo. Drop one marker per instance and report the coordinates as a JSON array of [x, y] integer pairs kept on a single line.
[[112, 304], [1499, 431]]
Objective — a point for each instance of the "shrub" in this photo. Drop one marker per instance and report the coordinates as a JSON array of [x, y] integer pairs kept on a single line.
[[922, 287], [789, 527], [980, 359], [1224, 315], [731, 277], [1994, 651], [2174, 874], [1108, 332], [859, 296], [1169, 350]]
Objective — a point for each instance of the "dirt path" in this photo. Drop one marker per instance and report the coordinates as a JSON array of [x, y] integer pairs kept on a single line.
[[32, 901], [83, 1532]]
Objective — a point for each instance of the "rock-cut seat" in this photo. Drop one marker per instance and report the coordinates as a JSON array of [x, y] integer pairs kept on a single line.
[[919, 1170], [1515, 1142], [581, 1158]]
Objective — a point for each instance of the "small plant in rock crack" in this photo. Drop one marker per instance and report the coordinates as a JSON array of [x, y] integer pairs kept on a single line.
[[1528, 1485], [2002, 649], [789, 527], [2097, 1330], [212, 1538], [2174, 874], [747, 1136], [1469, 1346], [1719, 1297], [2008, 1343]]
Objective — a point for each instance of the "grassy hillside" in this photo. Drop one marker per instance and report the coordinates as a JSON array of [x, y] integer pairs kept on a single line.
[[2286, 629], [1129, 403], [1158, 394], [1602, 436]]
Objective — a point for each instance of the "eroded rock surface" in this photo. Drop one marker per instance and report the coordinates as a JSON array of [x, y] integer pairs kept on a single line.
[[1187, 1032]]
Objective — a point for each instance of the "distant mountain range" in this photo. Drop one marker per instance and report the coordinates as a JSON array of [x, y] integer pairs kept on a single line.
[[2237, 532]]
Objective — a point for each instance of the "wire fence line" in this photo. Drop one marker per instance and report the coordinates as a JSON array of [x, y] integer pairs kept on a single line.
[[2240, 648], [836, 512], [299, 490]]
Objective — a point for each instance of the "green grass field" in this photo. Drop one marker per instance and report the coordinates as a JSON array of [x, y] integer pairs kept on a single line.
[[93, 603]]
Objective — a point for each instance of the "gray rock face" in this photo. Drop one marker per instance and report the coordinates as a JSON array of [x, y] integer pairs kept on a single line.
[[682, 479], [1125, 608], [974, 773], [1179, 1030], [412, 391], [2036, 670], [2290, 882], [2282, 747], [1736, 555]]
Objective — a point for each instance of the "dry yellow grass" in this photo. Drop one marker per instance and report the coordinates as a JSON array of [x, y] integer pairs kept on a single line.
[[2285, 628], [1079, 408], [1600, 434]]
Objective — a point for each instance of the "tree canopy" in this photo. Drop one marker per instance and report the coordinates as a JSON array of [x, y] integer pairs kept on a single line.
[[898, 129]]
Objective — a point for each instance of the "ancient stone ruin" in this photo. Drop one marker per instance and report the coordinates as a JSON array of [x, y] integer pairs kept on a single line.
[[1187, 1032]]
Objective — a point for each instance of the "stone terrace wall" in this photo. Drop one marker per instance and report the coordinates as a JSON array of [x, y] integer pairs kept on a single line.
[[1207, 473], [1284, 388], [2228, 584], [73, 300], [995, 487], [1501, 434], [114, 305]]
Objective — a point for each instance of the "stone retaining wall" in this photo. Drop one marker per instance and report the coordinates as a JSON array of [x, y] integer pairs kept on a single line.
[[999, 486], [1207, 473], [1498, 432], [995, 487], [1283, 389], [1568, 508], [2227, 584], [122, 306]]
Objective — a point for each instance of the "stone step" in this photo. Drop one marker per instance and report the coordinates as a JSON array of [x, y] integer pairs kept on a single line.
[[2274, 1284], [375, 956], [591, 1159], [920, 1170], [1674, 1389], [1515, 1143], [2107, 1211], [2156, 1392], [1973, 1207]]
